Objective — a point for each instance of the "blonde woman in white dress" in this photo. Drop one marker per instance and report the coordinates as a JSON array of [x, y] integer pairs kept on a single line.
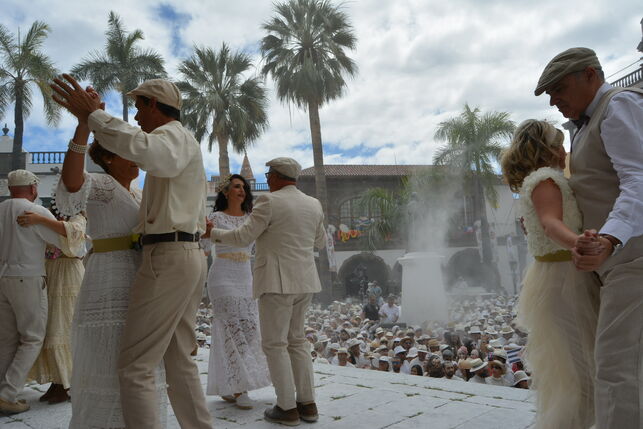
[[558, 312], [237, 364], [111, 202]]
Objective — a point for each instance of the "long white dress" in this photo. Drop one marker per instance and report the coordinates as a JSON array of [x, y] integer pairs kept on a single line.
[[237, 363], [102, 303], [559, 310]]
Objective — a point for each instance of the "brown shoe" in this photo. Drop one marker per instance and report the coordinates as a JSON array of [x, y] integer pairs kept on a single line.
[[308, 412], [277, 415], [7, 407]]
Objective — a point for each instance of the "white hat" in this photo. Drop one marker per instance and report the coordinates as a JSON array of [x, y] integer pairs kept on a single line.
[[334, 346], [352, 343], [422, 349], [286, 166], [475, 330], [413, 352], [506, 329], [477, 365], [22, 178], [163, 90], [495, 343], [384, 359], [379, 330], [500, 353], [342, 351], [443, 347], [520, 376], [323, 339], [399, 349]]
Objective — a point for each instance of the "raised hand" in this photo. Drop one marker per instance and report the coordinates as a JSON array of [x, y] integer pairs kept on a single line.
[[75, 99]]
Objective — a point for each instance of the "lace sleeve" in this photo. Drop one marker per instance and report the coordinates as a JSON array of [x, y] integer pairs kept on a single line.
[[74, 243], [96, 187]]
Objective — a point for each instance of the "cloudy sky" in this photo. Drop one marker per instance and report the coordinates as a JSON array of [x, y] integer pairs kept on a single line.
[[419, 62]]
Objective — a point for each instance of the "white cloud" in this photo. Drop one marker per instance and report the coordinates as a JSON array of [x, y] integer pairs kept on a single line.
[[419, 62]]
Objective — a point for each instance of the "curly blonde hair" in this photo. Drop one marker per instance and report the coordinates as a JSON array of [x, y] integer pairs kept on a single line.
[[535, 144]]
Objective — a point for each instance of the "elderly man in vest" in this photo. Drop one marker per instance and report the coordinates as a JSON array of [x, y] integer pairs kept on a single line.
[[23, 296], [606, 165], [287, 225]]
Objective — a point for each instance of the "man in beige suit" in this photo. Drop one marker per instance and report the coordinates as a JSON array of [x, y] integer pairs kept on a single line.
[[606, 165], [287, 225]]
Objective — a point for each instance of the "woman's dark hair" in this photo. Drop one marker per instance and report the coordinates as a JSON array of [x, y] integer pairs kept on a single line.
[[164, 108], [221, 202], [100, 155], [418, 368]]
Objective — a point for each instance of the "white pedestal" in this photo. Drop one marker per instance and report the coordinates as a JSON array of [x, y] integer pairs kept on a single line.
[[423, 295]]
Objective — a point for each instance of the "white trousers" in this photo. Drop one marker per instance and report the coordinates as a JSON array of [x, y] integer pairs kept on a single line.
[[619, 349], [281, 317], [23, 323]]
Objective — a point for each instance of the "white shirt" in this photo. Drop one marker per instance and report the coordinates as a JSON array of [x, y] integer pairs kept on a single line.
[[175, 186], [391, 314], [622, 134], [22, 249], [497, 381], [454, 377]]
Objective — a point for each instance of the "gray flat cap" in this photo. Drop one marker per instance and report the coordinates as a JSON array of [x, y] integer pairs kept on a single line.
[[570, 61], [286, 166]]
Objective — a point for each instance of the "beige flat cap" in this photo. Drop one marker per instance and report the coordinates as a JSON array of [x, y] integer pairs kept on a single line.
[[570, 61], [22, 178], [163, 90], [286, 166]]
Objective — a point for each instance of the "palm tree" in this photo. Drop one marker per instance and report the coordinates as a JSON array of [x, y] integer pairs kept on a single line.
[[23, 66], [304, 53], [220, 103], [123, 65], [473, 145]]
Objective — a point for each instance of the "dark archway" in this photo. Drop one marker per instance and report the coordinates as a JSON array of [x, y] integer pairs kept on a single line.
[[466, 265], [362, 268]]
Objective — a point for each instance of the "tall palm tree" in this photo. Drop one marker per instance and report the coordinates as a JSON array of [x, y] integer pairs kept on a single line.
[[24, 66], [473, 145], [304, 52], [122, 66], [220, 103]]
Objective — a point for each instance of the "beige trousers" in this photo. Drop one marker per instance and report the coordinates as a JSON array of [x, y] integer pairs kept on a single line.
[[281, 317], [160, 325], [23, 323], [619, 349]]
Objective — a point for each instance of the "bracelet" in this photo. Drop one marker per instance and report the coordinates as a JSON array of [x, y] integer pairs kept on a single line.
[[78, 148]]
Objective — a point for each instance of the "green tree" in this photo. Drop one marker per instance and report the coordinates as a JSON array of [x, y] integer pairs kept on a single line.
[[122, 66], [220, 103], [304, 52], [24, 66], [473, 146]]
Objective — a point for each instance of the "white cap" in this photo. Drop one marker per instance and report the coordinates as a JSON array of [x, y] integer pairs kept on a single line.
[[399, 349], [22, 178], [520, 376], [163, 90], [286, 166], [413, 352]]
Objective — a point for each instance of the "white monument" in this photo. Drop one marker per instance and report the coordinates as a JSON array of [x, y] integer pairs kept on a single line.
[[423, 294]]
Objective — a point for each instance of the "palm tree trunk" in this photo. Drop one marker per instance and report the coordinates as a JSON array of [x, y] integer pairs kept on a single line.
[[224, 160], [320, 184], [17, 157], [125, 103], [484, 223]]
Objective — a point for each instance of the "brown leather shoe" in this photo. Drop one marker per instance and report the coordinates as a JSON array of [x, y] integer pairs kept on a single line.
[[308, 412], [284, 417]]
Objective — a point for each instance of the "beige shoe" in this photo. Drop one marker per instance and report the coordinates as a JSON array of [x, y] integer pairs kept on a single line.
[[244, 402], [7, 407]]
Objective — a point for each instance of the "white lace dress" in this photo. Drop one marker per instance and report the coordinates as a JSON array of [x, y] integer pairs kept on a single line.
[[237, 363], [559, 310], [102, 303]]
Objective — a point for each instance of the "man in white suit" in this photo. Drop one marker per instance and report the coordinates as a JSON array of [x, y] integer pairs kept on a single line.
[[287, 225]]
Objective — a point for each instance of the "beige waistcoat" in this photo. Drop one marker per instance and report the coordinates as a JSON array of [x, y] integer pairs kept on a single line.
[[595, 182]]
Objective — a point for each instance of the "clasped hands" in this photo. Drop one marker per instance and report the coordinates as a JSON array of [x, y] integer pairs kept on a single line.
[[591, 250], [78, 101]]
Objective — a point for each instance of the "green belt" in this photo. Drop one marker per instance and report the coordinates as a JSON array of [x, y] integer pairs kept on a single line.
[[114, 244], [558, 256]]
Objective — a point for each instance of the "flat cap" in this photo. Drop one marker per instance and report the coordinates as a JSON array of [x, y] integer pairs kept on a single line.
[[22, 178], [286, 166], [570, 61], [163, 90]]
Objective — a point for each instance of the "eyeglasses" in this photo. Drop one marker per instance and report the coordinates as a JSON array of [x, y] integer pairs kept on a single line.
[[267, 174]]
